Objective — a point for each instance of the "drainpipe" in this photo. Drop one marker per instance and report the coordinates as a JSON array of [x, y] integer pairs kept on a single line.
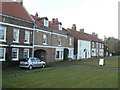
[[33, 41]]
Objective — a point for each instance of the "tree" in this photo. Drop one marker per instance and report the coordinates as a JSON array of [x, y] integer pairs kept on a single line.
[[113, 45]]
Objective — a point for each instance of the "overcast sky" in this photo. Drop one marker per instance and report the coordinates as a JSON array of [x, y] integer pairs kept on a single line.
[[99, 16]]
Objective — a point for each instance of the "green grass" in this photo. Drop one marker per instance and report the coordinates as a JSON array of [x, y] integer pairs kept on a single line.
[[64, 77], [111, 62]]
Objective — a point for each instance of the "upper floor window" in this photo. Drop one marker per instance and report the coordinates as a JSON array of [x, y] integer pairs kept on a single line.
[[15, 53], [102, 45], [93, 44], [26, 53], [2, 33], [70, 41], [27, 36], [2, 54], [15, 35], [96, 45], [99, 45], [59, 41], [44, 39], [60, 27], [46, 23]]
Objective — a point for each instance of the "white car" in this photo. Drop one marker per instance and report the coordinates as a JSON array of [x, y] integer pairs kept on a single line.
[[31, 62]]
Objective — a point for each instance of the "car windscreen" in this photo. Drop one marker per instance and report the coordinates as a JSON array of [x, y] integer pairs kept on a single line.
[[24, 59]]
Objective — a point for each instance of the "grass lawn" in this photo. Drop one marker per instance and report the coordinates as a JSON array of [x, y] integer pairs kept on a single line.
[[64, 77], [111, 62]]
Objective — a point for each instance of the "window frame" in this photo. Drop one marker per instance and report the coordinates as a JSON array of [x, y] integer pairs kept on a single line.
[[46, 23], [28, 41], [17, 41], [4, 40], [60, 54], [24, 53], [59, 41], [3, 54], [45, 39], [70, 41], [15, 59], [60, 27]]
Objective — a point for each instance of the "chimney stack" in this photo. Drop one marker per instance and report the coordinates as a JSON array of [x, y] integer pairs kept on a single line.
[[55, 20], [93, 33], [74, 27], [20, 2], [81, 30]]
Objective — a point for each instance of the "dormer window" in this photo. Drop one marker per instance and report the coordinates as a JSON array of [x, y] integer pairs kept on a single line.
[[60, 26], [46, 23]]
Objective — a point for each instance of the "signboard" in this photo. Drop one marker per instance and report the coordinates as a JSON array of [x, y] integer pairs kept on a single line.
[[101, 62]]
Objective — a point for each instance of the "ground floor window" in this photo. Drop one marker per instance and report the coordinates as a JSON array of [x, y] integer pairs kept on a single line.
[[2, 54], [15, 54], [59, 54], [26, 53]]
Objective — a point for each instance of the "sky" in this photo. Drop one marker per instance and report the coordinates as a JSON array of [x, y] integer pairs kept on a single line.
[[99, 16]]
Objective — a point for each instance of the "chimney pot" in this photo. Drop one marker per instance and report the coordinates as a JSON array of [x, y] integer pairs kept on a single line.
[[81, 30], [93, 33], [20, 2], [74, 27]]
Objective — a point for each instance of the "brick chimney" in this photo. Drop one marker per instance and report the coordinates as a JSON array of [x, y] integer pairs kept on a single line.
[[81, 30], [74, 27], [93, 33], [55, 20], [20, 2]]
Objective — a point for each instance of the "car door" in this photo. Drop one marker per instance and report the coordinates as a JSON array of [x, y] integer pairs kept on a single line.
[[34, 62], [38, 62]]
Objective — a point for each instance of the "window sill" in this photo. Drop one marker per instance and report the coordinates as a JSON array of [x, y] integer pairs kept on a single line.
[[15, 60], [15, 42], [2, 59], [26, 43], [45, 44], [59, 45], [2, 40]]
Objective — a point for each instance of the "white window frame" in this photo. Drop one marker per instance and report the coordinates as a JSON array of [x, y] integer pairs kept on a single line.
[[24, 53], [60, 27], [59, 41], [17, 36], [97, 45], [4, 52], [46, 23], [15, 59], [44, 39], [27, 37], [70, 41], [4, 29], [60, 54], [93, 44]]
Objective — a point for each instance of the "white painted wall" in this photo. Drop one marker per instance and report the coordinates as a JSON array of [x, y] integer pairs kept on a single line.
[[83, 44], [71, 52]]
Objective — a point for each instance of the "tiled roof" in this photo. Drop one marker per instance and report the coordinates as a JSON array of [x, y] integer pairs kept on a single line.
[[14, 9], [82, 35], [93, 37]]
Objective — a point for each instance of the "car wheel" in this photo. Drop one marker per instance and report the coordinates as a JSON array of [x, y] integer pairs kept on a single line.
[[43, 65], [30, 67]]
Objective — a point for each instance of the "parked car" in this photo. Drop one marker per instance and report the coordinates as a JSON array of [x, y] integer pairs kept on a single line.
[[31, 62]]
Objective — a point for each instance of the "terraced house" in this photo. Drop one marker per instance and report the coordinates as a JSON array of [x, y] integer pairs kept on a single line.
[[51, 44], [23, 35], [86, 45], [16, 34]]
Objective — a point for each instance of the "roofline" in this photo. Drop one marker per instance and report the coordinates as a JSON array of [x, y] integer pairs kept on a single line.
[[1, 14]]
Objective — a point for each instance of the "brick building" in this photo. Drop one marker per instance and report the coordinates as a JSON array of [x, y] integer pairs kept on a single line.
[[16, 32], [51, 44]]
